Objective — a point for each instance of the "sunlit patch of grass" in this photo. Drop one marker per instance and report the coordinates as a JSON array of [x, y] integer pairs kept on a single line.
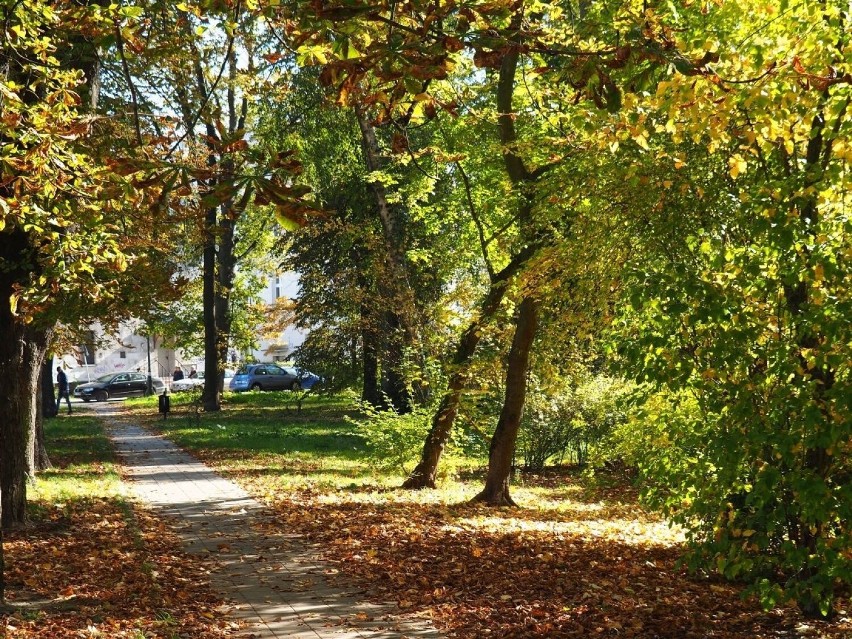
[[311, 455], [275, 450], [83, 466]]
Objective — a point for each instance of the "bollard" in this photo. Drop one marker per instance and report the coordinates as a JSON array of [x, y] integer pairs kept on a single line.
[[165, 403]]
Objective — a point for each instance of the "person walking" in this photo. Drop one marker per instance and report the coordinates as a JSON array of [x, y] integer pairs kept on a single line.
[[62, 384]]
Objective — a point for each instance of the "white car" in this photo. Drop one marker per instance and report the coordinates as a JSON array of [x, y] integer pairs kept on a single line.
[[188, 383]]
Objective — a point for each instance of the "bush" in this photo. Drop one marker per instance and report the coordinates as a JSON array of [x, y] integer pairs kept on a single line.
[[394, 440], [747, 443], [574, 421]]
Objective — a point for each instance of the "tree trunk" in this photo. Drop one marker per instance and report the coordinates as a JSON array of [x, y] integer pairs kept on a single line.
[[425, 473], [210, 395], [224, 285], [370, 392], [370, 362], [395, 391], [2, 567], [799, 298], [220, 243], [21, 353], [496, 490], [401, 311], [49, 405], [46, 407]]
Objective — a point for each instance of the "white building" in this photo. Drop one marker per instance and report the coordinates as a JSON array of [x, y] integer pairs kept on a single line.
[[279, 349], [127, 351]]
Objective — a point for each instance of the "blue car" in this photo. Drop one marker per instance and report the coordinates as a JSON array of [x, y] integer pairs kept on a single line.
[[271, 377]]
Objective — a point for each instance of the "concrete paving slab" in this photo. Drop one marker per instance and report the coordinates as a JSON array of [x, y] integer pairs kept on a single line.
[[276, 583]]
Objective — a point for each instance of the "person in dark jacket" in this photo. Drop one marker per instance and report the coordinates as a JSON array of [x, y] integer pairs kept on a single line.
[[62, 384], [177, 375]]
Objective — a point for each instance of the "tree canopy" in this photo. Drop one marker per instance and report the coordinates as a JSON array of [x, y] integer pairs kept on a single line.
[[494, 207]]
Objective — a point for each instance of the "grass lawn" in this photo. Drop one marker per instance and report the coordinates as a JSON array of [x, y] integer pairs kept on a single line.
[[90, 563], [581, 558]]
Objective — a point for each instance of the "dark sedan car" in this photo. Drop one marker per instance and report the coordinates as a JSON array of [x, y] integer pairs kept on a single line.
[[116, 385]]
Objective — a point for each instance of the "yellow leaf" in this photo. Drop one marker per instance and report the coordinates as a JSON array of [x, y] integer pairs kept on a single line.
[[819, 273], [737, 165]]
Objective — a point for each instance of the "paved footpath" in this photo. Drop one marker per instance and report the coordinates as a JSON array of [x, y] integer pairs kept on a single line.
[[276, 584]]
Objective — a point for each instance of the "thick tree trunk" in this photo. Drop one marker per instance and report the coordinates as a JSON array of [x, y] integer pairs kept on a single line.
[[496, 490], [21, 354], [22, 349]]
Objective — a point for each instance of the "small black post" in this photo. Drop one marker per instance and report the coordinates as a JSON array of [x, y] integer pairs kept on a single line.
[[165, 403]]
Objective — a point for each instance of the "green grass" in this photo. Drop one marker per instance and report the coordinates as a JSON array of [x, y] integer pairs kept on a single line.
[[83, 462], [266, 423], [263, 433], [260, 438]]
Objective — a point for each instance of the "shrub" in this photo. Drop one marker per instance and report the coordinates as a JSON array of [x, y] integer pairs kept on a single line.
[[573, 421], [394, 440]]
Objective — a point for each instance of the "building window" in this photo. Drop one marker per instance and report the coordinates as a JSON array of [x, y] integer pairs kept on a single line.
[[122, 354], [277, 286]]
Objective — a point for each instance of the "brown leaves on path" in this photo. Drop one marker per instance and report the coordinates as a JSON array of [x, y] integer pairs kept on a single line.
[[85, 570]]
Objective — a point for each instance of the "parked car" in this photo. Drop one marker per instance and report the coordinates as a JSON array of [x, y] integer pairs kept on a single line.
[[307, 379], [117, 385], [271, 377], [188, 383]]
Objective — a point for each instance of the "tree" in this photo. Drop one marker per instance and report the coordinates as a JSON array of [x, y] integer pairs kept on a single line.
[[196, 62], [411, 64], [740, 317], [39, 199], [369, 325], [335, 254]]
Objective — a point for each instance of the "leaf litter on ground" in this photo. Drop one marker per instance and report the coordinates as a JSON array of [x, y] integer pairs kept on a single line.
[[579, 559]]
